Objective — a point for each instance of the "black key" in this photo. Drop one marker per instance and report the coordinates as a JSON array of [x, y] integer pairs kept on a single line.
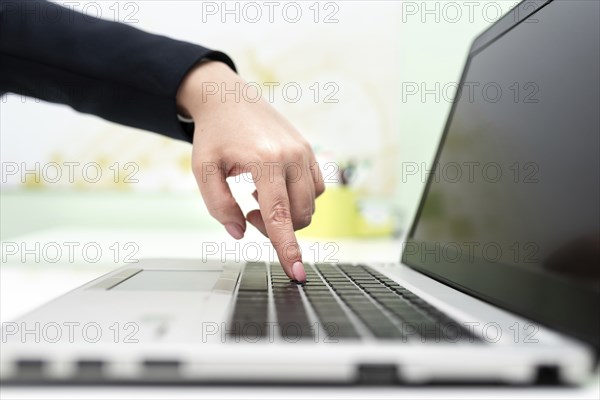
[[365, 281], [341, 285], [379, 324], [317, 290], [293, 330], [337, 330], [349, 292], [413, 317], [337, 326], [314, 284], [386, 332], [292, 320], [335, 281], [364, 310], [327, 309], [323, 291], [252, 281]]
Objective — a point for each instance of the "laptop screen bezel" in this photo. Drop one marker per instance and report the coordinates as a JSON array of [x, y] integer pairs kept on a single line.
[[534, 295]]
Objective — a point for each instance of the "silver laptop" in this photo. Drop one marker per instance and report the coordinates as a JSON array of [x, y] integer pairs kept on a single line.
[[498, 279]]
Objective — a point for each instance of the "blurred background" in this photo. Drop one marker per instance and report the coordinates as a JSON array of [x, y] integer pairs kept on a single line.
[[369, 83]]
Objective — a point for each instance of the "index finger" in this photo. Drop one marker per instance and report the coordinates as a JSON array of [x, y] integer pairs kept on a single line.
[[274, 206]]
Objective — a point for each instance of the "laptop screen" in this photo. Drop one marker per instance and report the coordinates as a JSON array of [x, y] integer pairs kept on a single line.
[[511, 209]]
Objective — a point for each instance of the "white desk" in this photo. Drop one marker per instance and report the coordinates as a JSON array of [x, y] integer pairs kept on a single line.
[[27, 285]]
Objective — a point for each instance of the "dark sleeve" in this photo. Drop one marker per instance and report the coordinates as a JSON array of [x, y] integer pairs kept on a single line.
[[96, 66]]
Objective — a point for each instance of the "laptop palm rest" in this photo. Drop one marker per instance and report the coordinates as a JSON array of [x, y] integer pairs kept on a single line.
[[169, 280]]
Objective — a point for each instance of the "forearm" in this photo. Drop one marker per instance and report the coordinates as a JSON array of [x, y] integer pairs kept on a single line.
[[99, 67]]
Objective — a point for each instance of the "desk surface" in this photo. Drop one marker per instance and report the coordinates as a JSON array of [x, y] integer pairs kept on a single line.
[[29, 284]]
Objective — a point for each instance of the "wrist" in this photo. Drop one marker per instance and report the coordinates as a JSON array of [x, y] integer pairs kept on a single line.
[[191, 96]]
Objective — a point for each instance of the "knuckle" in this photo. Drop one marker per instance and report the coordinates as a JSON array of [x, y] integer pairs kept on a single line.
[[270, 154], [303, 220], [276, 153], [279, 214], [297, 151]]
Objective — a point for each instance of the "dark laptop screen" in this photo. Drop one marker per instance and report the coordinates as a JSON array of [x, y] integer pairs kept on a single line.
[[511, 212]]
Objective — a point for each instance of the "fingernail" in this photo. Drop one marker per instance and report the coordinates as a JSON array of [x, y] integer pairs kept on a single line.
[[235, 230], [298, 272]]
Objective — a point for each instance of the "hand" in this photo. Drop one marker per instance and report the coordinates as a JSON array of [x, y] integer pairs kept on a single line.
[[241, 133]]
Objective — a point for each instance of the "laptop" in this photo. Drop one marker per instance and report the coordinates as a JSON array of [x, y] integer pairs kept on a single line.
[[498, 279]]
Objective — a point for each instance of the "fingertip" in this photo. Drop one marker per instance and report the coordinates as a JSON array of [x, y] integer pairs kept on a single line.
[[299, 272], [235, 230]]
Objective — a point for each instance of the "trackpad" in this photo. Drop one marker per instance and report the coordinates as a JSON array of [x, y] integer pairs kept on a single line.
[[169, 280]]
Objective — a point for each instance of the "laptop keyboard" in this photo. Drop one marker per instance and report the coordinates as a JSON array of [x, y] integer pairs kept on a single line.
[[348, 302]]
